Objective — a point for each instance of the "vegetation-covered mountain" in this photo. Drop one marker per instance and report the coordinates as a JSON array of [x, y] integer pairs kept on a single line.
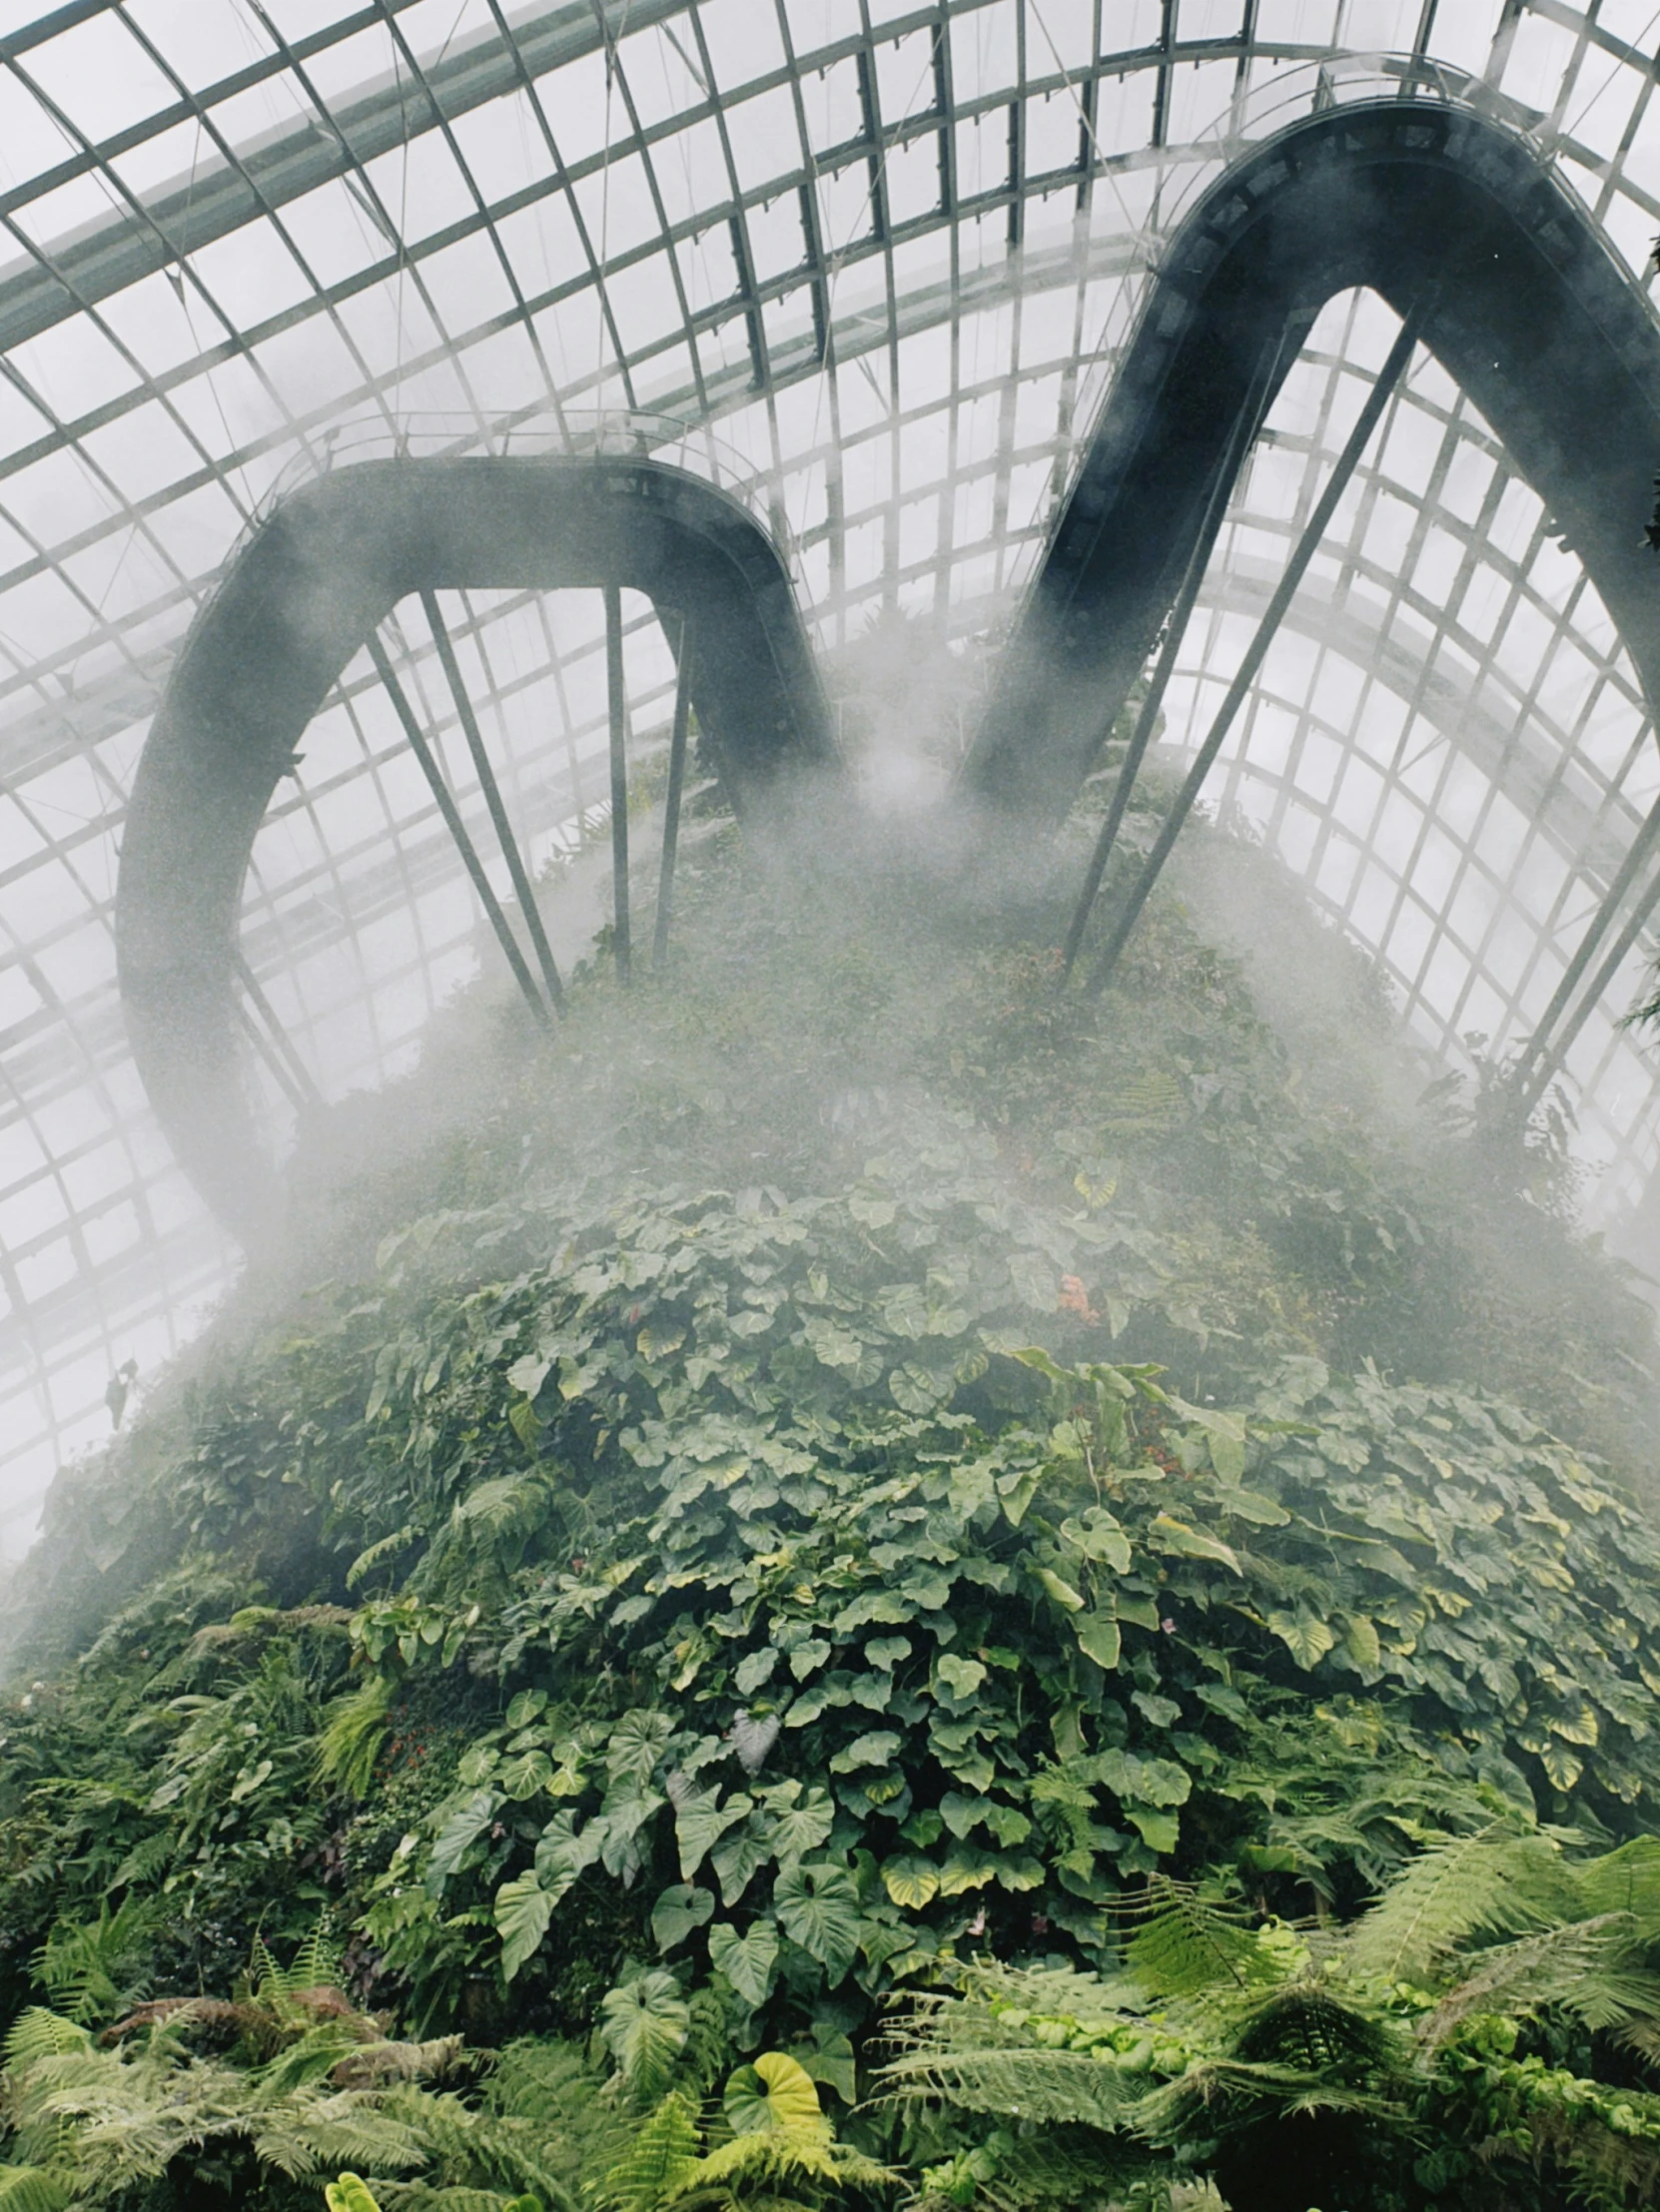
[[869, 1581]]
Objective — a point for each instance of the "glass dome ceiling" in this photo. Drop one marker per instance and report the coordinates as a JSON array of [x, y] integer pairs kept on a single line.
[[873, 263]]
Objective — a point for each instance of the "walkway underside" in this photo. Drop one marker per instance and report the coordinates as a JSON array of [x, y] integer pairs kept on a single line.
[[1524, 307], [304, 592]]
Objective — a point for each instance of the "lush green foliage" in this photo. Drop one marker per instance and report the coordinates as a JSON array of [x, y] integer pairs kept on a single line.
[[834, 1482], [1386, 2056]]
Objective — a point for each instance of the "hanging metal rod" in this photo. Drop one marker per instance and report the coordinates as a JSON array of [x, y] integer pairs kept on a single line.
[[281, 1073], [1388, 376], [523, 889], [1245, 427], [458, 829], [617, 702], [273, 1041], [1538, 1044], [677, 785], [1548, 1061]]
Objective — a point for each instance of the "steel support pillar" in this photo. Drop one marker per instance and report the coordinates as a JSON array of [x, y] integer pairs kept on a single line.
[[523, 889], [1383, 390], [1547, 1057], [1538, 1046], [453, 822], [1244, 431], [617, 702], [676, 787]]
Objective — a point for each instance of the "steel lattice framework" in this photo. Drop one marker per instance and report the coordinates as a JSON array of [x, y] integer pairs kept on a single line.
[[876, 260]]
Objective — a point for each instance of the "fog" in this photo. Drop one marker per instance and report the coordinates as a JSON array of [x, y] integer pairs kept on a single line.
[[913, 467]]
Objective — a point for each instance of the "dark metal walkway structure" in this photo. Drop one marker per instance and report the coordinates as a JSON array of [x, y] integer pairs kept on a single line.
[[308, 588], [1448, 215], [1498, 270]]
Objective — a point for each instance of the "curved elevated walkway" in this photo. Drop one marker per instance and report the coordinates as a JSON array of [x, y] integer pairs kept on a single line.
[[1526, 310], [303, 593], [1428, 205]]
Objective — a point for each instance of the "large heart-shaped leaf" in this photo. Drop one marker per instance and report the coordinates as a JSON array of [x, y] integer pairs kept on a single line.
[[959, 1678], [678, 1911], [564, 1852], [1159, 1831], [523, 1909], [755, 1669], [620, 1818], [635, 1745], [1304, 1635], [528, 1773], [747, 1961], [775, 2095], [644, 2023], [1360, 1640], [1100, 1637], [1146, 1781], [1097, 1534], [460, 1829], [1171, 1535], [830, 2059], [819, 1908], [802, 1827], [1061, 1590], [912, 1882], [970, 1867], [736, 1861], [963, 1814], [753, 1735], [700, 1820], [873, 1750], [1563, 1766]]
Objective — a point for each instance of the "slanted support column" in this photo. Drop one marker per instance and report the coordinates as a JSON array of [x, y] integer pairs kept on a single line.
[[1249, 421], [1545, 1054], [676, 787], [618, 703], [1540, 1053], [272, 1040], [523, 890], [453, 822], [1388, 376]]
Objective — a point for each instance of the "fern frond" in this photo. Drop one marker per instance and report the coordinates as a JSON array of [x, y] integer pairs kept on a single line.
[[779, 2155], [95, 1967], [305, 2136], [383, 1548], [426, 2196], [1186, 1945], [372, 2065], [1496, 1882], [39, 2033], [542, 2126], [1625, 1881], [34, 2189], [1305, 2028], [1583, 1970], [662, 2159], [1231, 2091], [1621, 2169], [353, 1736], [315, 2056], [314, 1968], [1060, 2087]]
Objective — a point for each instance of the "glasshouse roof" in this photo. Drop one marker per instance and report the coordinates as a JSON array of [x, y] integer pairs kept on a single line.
[[868, 266]]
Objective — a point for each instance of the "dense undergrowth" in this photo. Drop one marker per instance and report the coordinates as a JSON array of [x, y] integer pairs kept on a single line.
[[889, 1584]]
